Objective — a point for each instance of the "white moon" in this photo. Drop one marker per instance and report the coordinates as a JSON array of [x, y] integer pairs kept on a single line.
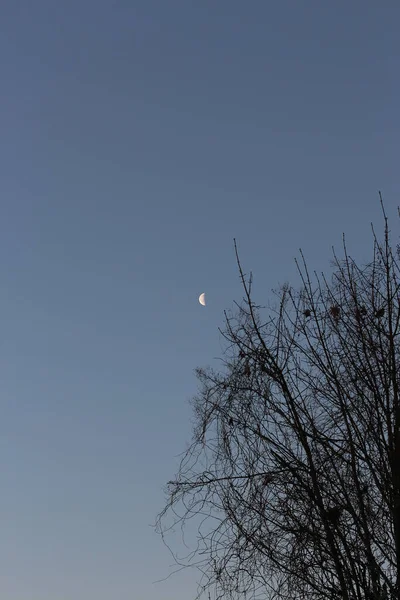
[[202, 299]]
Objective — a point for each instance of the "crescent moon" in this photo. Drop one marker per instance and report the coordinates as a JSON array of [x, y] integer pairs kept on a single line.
[[202, 299]]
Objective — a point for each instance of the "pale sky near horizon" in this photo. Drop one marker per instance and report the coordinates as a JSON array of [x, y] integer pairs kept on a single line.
[[138, 138]]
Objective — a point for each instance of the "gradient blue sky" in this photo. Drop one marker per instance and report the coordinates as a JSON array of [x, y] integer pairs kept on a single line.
[[137, 139]]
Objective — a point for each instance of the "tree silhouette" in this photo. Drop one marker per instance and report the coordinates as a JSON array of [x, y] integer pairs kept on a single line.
[[293, 474]]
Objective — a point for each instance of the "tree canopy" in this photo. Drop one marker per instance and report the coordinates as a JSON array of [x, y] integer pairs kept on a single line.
[[293, 473]]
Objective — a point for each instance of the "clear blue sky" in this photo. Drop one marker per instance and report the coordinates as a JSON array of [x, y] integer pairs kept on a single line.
[[137, 139]]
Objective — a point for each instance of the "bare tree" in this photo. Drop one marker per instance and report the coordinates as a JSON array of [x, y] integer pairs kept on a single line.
[[293, 475]]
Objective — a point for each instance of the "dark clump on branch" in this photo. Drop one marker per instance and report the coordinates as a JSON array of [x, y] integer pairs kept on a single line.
[[335, 312], [361, 312], [293, 477], [247, 370], [333, 514], [268, 479]]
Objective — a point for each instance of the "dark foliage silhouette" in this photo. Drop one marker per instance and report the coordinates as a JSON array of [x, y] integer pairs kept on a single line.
[[293, 474]]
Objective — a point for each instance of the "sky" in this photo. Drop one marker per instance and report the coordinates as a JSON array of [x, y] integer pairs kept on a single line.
[[138, 138]]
